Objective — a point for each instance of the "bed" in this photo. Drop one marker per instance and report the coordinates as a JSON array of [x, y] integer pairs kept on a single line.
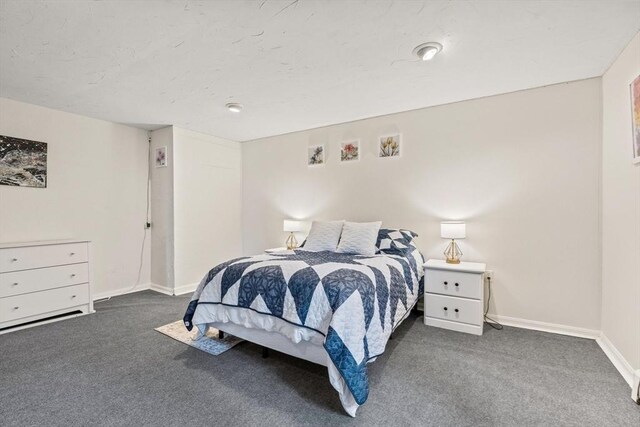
[[333, 309]]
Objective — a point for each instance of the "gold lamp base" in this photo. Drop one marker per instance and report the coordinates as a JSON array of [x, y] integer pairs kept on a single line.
[[453, 253], [291, 242]]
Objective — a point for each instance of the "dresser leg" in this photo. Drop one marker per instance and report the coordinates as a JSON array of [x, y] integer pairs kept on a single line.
[[265, 352], [220, 335]]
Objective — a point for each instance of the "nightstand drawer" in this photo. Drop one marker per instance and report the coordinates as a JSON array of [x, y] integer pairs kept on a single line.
[[453, 309], [455, 283]]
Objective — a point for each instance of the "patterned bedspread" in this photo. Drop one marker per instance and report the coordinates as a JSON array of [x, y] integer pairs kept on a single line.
[[353, 301]]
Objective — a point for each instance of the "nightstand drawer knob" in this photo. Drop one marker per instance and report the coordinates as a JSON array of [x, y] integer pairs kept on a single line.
[[446, 283], [445, 309], [456, 310], [457, 284]]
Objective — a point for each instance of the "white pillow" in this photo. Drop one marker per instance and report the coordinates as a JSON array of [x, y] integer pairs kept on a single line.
[[359, 238], [323, 236]]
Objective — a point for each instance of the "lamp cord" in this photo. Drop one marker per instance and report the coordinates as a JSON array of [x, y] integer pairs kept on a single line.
[[489, 321]]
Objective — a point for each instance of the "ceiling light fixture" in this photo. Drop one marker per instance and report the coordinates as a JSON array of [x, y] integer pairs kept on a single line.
[[426, 51], [234, 107]]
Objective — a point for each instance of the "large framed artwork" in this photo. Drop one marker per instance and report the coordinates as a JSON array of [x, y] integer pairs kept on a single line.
[[23, 163], [635, 118]]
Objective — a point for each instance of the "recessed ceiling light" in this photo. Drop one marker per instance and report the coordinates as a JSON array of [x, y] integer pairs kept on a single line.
[[234, 107], [426, 51]]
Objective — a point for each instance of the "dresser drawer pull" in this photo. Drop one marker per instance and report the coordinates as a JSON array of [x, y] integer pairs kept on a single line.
[[15, 308], [445, 309], [73, 296], [456, 310], [14, 284], [73, 275], [457, 284], [72, 254], [446, 283], [14, 259]]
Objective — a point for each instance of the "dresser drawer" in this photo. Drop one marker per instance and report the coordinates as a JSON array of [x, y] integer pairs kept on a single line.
[[41, 279], [444, 307], [37, 303], [27, 257], [455, 283]]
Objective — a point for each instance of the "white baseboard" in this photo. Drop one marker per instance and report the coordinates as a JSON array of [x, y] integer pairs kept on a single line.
[[180, 290], [162, 289], [186, 289], [553, 328], [617, 359], [121, 291]]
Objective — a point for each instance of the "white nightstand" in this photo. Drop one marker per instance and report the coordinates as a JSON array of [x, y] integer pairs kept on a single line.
[[454, 295]]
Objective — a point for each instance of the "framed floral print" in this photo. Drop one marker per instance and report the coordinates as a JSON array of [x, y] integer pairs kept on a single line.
[[389, 146], [350, 151], [315, 155], [161, 157]]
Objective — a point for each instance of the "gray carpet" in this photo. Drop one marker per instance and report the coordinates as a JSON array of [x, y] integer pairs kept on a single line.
[[112, 368]]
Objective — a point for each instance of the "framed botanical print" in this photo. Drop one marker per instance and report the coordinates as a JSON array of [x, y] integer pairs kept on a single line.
[[315, 155], [350, 151]]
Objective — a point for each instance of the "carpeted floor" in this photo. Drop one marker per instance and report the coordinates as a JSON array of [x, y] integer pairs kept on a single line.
[[112, 368]]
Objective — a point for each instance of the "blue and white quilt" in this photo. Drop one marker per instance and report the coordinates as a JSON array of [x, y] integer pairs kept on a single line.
[[353, 302]]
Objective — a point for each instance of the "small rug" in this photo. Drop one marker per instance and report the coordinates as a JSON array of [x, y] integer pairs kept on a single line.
[[209, 343]]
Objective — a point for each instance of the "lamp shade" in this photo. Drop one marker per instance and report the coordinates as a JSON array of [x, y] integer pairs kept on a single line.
[[292, 225], [453, 230]]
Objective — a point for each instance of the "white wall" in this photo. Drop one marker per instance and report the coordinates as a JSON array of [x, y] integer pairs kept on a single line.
[[207, 204], [96, 190], [162, 244], [196, 207], [620, 210], [522, 169]]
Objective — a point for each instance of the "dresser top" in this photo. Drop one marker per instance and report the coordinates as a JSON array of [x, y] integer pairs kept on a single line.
[[468, 267], [39, 243]]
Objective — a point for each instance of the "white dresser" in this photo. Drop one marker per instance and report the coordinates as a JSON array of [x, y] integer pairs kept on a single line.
[[454, 295], [41, 280]]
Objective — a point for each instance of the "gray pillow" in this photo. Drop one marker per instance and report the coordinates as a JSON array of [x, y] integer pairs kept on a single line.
[[323, 236], [359, 238]]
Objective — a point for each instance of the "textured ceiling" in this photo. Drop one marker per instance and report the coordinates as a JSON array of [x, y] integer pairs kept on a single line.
[[293, 64]]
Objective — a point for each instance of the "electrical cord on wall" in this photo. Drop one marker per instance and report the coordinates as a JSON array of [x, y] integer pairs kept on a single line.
[[146, 227], [489, 321]]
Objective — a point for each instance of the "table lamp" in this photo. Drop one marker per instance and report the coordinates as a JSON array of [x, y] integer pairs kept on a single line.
[[292, 226], [453, 230]]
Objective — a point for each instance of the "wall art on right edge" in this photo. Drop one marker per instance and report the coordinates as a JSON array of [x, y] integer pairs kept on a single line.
[[635, 118], [389, 146]]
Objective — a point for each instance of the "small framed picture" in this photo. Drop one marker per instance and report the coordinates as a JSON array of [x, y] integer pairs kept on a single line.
[[350, 151], [315, 155], [161, 157], [390, 146], [635, 118]]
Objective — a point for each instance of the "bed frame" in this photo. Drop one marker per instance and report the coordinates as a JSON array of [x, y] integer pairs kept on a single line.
[[272, 340], [275, 341]]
